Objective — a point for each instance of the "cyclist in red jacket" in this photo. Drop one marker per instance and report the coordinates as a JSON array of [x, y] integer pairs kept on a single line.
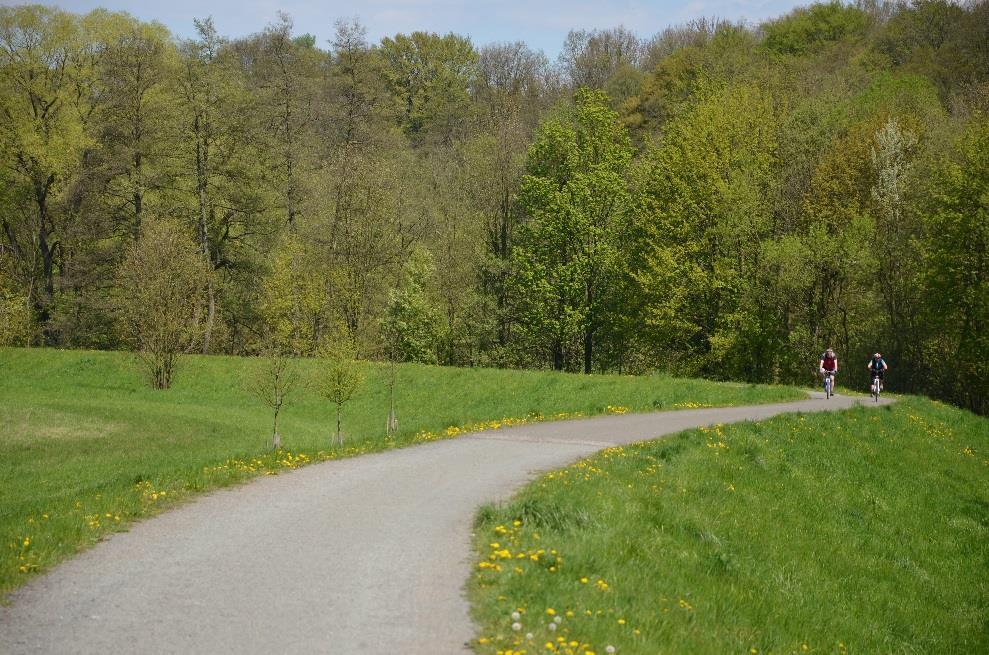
[[828, 364]]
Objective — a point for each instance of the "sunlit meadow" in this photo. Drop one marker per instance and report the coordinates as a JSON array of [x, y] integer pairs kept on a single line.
[[86, 447], [856, 533]]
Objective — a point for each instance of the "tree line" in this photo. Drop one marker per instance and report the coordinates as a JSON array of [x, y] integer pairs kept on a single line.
[[720, 199]]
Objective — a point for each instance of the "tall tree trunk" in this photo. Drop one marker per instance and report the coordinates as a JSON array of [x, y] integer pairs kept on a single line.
[[290, 193], [588, 348], [138, 197], [210, 315], [43, 304], [202, 181], [588, 329]]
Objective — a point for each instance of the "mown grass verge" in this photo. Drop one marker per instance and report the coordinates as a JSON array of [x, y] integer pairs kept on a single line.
[[86, 447], [863, 532]]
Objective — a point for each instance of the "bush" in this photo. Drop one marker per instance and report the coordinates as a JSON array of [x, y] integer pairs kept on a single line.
[[161, 298]]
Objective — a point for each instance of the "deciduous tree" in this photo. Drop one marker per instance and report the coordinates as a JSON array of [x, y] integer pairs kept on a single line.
[[338, 376], [958, 272], [568, 259], [161, 298], [273, 381]]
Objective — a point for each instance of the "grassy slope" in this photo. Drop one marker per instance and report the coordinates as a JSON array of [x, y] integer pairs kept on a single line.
[[864, 532], [86, 446]]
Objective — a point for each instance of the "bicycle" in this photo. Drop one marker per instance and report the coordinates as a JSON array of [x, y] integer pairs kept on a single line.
[[877, 386], [829, 383]]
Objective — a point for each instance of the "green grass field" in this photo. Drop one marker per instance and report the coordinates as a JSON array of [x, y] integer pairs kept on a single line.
[[862, 533], [86, 447]]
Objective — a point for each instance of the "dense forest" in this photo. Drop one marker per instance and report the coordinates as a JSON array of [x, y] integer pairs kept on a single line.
[[721, 199]]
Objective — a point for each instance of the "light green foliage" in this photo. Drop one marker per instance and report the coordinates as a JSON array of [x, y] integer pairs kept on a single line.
[[362, 110], [699, 54], [494, 164], [856, 532], [431, 76], [224, 187], [338, 376], [464, 314], [411, 322], [895, 94], [284, 83], [568, 259], [365, 208], [161, 297], [704, 211], [293, 300], [840, 230], [47, 77], [15, 317], [958, 270], [44, 55], [899, 229], [138, 121], [513, 82], [16, 324], [813, 26]]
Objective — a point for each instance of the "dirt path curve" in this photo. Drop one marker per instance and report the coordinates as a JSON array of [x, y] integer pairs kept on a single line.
[[366, 555]]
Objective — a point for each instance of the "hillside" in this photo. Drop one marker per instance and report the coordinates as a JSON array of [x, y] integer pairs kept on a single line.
[[87, 446]]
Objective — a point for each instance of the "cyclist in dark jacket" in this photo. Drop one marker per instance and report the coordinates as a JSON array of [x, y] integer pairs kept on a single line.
[[877, 368]]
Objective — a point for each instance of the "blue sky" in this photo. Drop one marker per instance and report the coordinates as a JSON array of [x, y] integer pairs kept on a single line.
[[543, 25]]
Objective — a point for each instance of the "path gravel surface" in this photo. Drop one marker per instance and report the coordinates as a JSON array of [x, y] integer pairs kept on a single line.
[[365, 555]]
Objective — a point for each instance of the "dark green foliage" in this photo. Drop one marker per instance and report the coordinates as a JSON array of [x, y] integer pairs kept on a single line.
[[957, 269]]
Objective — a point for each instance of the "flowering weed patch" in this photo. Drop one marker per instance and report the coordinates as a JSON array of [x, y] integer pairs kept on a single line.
[[854, 533], [86, 448]]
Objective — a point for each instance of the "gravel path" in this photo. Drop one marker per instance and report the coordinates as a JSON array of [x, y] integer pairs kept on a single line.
[[366, 555]]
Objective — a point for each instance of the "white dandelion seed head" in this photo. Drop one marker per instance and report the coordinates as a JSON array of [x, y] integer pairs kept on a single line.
[[516, 626], [516, 616], [552, 627], [609, 649], [557, 619], [528, 636]]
